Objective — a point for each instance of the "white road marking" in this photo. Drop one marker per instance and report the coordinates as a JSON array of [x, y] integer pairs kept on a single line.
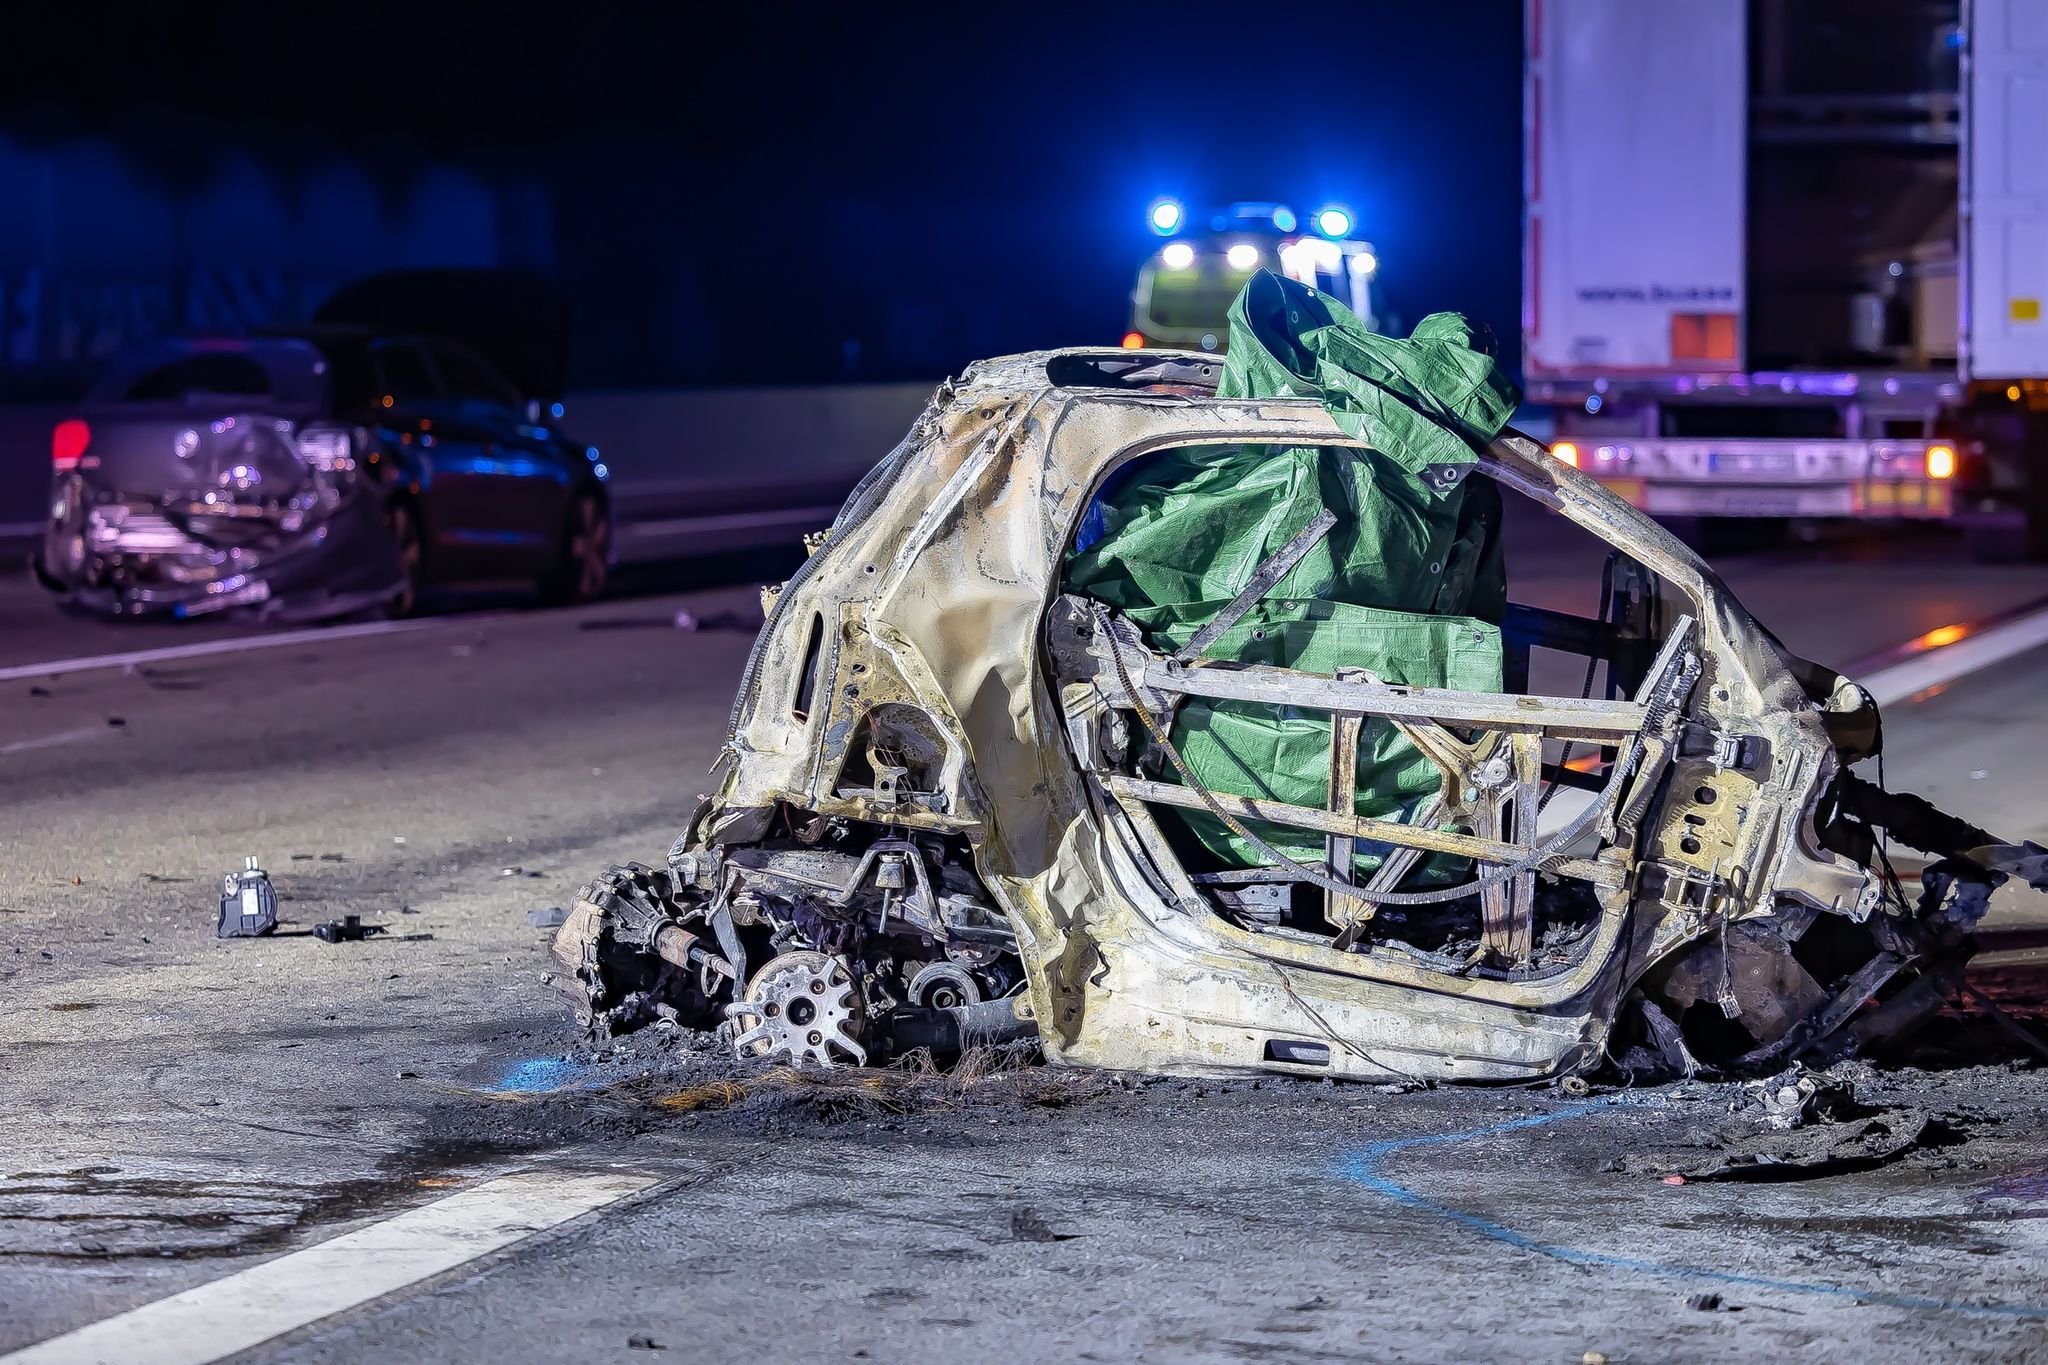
[[22, 746], [1945, 663], [731, 521], [252, 1306], [50, 668]]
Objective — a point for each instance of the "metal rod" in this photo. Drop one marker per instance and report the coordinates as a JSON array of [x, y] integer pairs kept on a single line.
[[1557, 717], [1321, 821]]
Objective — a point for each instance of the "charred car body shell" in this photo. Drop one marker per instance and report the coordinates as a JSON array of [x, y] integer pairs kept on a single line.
[[923, 679]]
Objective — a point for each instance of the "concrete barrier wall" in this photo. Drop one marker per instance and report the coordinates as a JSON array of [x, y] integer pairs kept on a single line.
[[701, 471], [692, 471]]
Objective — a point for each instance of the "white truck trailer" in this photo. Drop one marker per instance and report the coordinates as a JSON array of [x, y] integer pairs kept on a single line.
[[1787, 259]]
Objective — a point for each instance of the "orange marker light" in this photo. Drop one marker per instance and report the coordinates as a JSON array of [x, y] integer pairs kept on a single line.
[[1134, 341], [1942, 635], [1567, 452], [1941, 462]]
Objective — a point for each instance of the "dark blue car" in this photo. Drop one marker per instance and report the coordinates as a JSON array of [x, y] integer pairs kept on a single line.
[[315, 472]]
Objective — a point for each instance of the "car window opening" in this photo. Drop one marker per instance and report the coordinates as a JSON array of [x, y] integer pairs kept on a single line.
[[1184, 558]]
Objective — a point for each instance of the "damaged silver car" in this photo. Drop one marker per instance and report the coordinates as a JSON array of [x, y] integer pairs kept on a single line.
[[332, 469], [978, 786]]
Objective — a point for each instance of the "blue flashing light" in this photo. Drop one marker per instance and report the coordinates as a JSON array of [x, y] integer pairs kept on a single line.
[[555, 411], [1166, 216], [1333, 221], [1283, 218]]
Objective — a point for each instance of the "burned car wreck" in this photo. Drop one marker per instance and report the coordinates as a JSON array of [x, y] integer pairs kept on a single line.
[[1271, 792]]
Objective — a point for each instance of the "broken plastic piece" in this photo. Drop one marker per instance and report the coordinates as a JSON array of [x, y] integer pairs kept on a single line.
[[248, 903]]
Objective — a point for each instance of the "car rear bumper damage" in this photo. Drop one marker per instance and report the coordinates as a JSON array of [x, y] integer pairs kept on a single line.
[[120, 555]]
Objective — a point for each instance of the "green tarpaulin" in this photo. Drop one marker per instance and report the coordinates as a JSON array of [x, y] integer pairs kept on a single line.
[[1408, 583]]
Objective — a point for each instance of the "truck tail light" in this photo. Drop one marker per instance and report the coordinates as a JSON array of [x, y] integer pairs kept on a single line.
[[1134, 341], [68, 443], [1567, 452], [1941, 462]]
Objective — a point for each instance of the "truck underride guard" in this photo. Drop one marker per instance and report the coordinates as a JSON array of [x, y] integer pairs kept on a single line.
[[962, 800]]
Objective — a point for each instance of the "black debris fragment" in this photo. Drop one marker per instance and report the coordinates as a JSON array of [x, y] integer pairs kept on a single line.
[[1705, 1303], [1027, 1226], [39, 691], [644, 1344], [347, 929], [117, 721], [1802, 1153]]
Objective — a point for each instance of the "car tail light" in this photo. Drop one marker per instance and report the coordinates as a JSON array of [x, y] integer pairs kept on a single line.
[[1941, 462], [1134, 341], [1567, 452], [68, 443]]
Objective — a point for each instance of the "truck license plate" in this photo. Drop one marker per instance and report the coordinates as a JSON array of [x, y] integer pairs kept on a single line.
[[1680, 501], [1754, 464]]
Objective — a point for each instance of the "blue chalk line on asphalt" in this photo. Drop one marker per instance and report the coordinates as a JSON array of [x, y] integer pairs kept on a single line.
[[538, 1075], [1362, 1168]]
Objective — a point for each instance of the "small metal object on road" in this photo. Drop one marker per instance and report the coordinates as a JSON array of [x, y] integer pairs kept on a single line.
[[347, 929], [248, 903], [1027, 1226], [550, 918]]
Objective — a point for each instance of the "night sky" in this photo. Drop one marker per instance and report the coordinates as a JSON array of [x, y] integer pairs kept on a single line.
[[819, 191]]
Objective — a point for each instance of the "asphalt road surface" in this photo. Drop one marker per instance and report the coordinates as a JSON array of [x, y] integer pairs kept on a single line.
[[388, 1150]]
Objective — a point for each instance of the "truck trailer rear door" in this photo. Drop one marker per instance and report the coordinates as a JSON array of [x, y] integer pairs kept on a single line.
[[2006, 191], [1636, 118]]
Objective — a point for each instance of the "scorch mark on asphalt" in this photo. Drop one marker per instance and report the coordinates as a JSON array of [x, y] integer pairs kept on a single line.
[[1362, 1168]]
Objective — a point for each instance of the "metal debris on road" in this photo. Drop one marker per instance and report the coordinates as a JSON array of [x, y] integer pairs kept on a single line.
[[248, 903], [347, 929], [550, 918], [1027, 1226]]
